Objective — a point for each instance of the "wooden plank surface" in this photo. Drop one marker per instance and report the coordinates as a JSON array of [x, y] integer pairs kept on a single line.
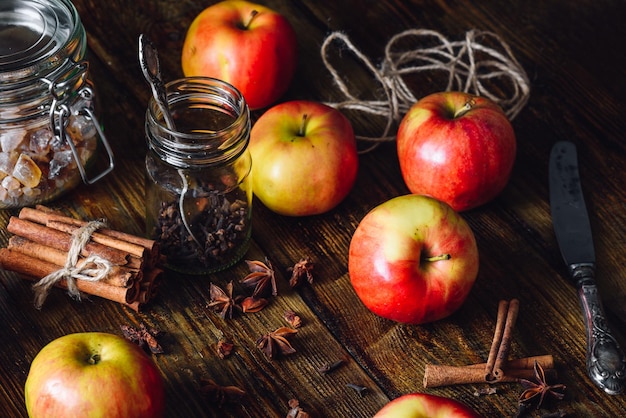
[[574, 56]]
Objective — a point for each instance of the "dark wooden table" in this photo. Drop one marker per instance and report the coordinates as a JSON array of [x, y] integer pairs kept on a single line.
[[574, 56]]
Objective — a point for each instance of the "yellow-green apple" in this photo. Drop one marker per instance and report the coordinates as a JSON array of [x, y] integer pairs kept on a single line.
[[456, 147], [93, 374], [245, 44], [413, 259], [423, 405], [304, 158]]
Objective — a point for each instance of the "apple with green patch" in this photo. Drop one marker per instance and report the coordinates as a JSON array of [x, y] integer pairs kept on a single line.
[[413, 259], [304, 158], [93, 374], [423, 405]]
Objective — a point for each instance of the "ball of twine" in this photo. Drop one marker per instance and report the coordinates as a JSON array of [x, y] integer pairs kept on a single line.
[[481, 64]]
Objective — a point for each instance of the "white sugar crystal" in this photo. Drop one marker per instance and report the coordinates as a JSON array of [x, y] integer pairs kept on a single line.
[[10, 183], [15, 192], [56, 143], [64, 157], [10, 140], [61, 160], [7, 161], [31, 192], [81, 127], [40, 141]]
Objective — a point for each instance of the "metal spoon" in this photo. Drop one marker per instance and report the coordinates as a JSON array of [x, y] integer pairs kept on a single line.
[[151, 68]]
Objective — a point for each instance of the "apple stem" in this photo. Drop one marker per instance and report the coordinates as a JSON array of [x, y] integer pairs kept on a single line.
[[253, 14], [438, 258], [471, 102], [302, 129], [94, 359]]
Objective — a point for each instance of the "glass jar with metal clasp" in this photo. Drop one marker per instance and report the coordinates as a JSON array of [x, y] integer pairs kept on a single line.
[[49, 132]]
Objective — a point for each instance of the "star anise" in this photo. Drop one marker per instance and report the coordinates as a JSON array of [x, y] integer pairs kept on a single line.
[[261, 275], [536, 391], [292, 319], [143, 337], [296, 411], [220, 395], [300, 270], [252, 304], [224, 348], [275, 343], [222, 301]]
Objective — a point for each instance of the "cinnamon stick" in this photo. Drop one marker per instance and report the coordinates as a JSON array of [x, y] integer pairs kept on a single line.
[[145, 290], [151, 283], [62, 241], [100, 238], [503, 308], [505, 345], [52, 215], [119, 275], [42, 214], [137, 255], [546, 361], [33, 268], [440, 375], [134, 293]]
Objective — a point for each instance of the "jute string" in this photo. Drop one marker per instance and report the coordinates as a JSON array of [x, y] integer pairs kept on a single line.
[[481, 64], [92, 268]]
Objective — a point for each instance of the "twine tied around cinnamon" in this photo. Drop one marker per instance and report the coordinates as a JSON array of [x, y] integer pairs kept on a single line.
[[474, 65], [92, 268]]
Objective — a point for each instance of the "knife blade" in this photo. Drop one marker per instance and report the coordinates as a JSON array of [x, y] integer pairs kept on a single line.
[[605, 361]]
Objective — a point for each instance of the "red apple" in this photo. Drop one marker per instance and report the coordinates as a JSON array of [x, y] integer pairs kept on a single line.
[[413, 259], [304, 158], [423, 405], [456, 147], [247, 45], [93, 374]]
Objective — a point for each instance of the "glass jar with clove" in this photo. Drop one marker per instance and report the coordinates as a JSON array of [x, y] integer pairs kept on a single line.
[[198, 192]]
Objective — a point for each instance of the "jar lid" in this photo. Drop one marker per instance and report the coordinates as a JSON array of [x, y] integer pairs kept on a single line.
[[34, 35]]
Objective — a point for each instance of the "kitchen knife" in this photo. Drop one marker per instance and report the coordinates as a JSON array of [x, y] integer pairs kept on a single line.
[[606, 364]]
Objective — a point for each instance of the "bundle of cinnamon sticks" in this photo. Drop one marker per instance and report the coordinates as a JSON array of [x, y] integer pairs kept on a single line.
[[41, 241]]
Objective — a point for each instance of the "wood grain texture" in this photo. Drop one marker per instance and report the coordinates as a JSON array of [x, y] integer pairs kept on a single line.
[[573, 53]]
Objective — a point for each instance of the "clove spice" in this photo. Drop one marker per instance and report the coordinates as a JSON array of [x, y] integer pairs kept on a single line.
[[330, 367], [218, 230], [358, 389], [219, 395]]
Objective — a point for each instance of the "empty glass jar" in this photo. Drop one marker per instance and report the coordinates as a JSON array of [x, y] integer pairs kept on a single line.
[[48, 128], [198, 192]]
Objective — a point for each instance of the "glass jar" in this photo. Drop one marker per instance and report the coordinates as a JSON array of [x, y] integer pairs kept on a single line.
[[198, 191], [48, 128]]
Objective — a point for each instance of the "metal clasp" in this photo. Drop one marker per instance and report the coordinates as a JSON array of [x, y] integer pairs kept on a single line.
[[60, 111]]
